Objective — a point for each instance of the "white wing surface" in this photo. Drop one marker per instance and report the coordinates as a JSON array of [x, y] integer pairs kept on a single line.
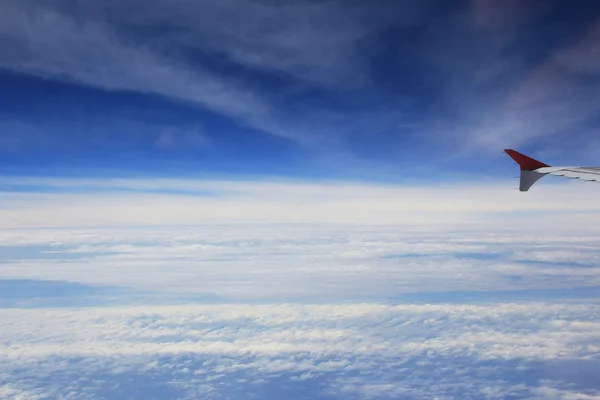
[[583, 173], [532, 170]]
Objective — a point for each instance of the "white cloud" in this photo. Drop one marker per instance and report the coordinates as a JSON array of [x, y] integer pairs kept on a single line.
[[548, 392], [310, 40], [511, 98], [310, 261], [42, 40], [207, 349], [288, 201], [10, 391], [372, 349], [155, 48]]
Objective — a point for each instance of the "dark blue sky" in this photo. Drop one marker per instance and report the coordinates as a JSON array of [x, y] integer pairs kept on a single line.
[[376, 90]]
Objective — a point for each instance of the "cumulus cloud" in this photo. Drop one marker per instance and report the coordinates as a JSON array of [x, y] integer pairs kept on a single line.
[[371, 350]]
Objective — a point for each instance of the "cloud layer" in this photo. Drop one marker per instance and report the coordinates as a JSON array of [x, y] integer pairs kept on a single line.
[[303, 310], [71, 202], [357, 351], [306, 262]]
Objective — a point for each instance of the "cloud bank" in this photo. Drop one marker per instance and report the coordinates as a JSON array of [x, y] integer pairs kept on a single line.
[[54, 202], [357, 351], [299, 262], [504, 306]]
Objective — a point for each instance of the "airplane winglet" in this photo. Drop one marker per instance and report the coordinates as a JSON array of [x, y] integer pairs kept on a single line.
[[525, 162], [528, 166]]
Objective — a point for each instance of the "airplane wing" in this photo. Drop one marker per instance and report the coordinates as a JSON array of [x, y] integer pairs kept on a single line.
[[533, 170]]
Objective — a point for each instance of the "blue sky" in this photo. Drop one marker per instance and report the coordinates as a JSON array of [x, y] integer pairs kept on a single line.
[[330, 89], [255, 199]]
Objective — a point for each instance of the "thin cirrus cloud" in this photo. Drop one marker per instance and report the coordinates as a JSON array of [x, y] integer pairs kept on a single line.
[[47, 42], [475, 64], [501, 88], [90, 45]]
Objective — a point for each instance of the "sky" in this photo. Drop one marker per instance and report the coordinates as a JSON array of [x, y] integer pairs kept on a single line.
[[257, 199], [381, 90]]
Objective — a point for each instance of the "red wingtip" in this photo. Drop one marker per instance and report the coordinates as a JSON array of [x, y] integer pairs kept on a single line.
[[526, 163]]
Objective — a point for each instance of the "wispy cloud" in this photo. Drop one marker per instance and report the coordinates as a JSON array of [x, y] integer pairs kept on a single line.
[[311, 40], [336, 76], [511, 86], [172, 138], [111, 45], [44, 40]]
